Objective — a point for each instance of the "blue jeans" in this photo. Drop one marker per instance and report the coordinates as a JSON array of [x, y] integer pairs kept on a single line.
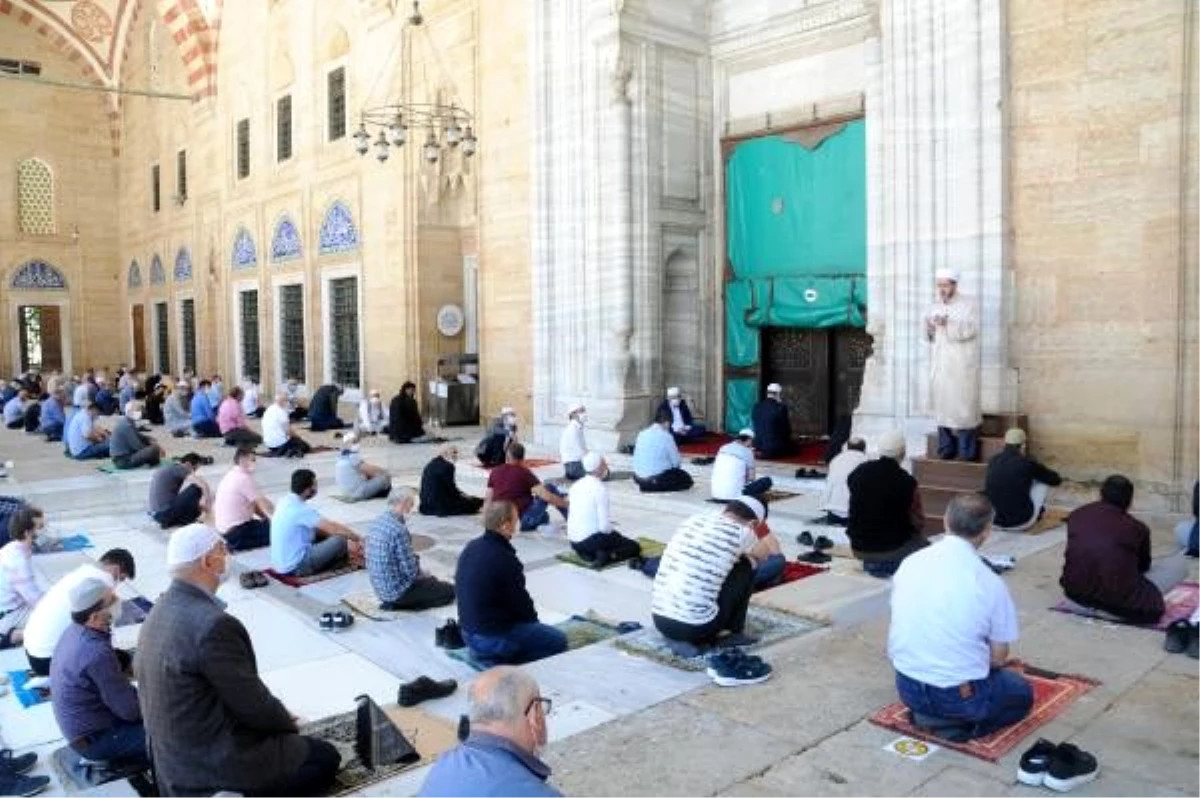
[[960, 443], [93, 451], [1000, 700], [538, 511], [123, 744], [525, 642], [769, 571]]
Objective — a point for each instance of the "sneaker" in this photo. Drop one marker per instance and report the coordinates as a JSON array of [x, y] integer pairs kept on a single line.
[[748, 670], [1070, 767], [822, 543], [424, 689], [1035, 763], [735, 640], [16, 765], [16, 784], [722, 659]]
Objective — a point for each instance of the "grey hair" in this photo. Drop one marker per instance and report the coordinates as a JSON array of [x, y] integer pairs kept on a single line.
[[968, 515], [399, 496], [506, 702]]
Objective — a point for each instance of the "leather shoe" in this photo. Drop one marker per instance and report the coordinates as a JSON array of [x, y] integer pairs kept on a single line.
[[805, 538], [424, 689]]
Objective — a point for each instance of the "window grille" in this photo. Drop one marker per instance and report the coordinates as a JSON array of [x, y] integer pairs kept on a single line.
[[243, 148], [343, 330], [291, 331], [248, 318], [283, 128], [337, 104]]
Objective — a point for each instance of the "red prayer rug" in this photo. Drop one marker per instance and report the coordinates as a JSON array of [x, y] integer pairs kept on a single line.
[[795, 571], [1180, 602], [705, 446], [530, 463], [1051, 697]]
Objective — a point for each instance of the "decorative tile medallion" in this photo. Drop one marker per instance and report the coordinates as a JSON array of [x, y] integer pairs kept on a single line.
[[157, 275], [37, 275], [338, 233], [285, 244], [134, 278], [245, 255], [183, 265]]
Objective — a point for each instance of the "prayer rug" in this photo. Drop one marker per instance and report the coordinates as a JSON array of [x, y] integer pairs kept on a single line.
[[618, 476], [111, 468], [580, 630], [1051, 519], [431, 737], [650, 548], [530, 463], [808, 453], [301, 581], [770, 626], [70, 543], [776, 495], [1181, 601], [705, 446], [1052, 694], [795, 571], [28, 698]]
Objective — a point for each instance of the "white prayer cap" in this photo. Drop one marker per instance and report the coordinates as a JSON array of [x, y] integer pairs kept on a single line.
[[774, 388], [349, 439], [191, 543], [673, 393], [947, 274], [88, 593], [746, 433], [507, 411], [591, 461], [754, 505], [891, 444], [574, 408]]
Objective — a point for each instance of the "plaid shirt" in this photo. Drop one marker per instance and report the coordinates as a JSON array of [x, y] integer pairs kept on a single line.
[[391, 562]]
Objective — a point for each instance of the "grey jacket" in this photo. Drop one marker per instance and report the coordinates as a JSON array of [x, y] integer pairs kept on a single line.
[[211, 722], [126, 440]]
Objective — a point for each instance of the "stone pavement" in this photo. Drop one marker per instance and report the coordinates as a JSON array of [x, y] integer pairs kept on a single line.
[[624, 725]]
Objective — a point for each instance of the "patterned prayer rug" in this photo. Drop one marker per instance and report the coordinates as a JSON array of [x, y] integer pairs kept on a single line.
[[420, 543], [770, 626], [1181, 601], [1052, 694], [777, 495]]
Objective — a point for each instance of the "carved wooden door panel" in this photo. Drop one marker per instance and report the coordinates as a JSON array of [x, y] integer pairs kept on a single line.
[[851, 348], [52, 345], [798, 359], [139, 337]]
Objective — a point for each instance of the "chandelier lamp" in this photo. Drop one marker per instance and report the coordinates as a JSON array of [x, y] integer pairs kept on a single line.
[[447, 127]]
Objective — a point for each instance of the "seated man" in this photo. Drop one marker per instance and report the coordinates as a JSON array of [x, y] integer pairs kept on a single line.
[[155, 398], [704, 581], [323, 410], [836, 502], [14, 410], [204, 417], [106, 398], [1017, 485], [656, 461], [231, 421], [1188, 530], [589, 526], [130, 448], [513, 482], [952, 624], [277, 432], [85, 440], [683, 426], [297, 399], [495, 611], [500, 756], [733, 470], [52, 615], [213, 725], [357, 479], [404, 417], [393, 566], [251, 404], [177, 416], [54, 417], [886, 521], [493, 449], [372, 415], [95, 705], [216, 391], [178, 495], [440, 496], [772, 426], [20, 590], [241, 512], [1107, 565], [572, 445], [302, 542]]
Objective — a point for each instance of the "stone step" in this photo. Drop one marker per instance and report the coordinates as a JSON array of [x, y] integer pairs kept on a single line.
[[996, 424], [934, 500], [934, 525], [949, 474], [989, 447]]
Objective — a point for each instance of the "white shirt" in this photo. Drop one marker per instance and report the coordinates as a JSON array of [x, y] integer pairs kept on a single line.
[[590, 515], [372, 417], [947, 606], [52, 615], [275, 425], [837, 493], [731, 470], [250, 399], [571, 446], [694, 566]]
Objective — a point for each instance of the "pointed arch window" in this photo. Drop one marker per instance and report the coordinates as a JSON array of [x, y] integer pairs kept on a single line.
[[285, 243], [134, 278], [157, 275]]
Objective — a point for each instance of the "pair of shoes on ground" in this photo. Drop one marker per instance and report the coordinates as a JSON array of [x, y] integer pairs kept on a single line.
[[1183, 637], [336, 621], [423, 688], [13, 778], [733, 667], [809, 473], [1061, 767], [252, 579], [449, 636], [820, 543]]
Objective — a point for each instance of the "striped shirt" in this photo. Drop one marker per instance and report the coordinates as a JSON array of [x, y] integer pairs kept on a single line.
[[694, 566]]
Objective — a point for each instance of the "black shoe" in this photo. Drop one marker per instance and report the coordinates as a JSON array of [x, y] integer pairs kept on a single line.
[[1193, 649], [735, 640], [805, 538], [1035, 763], [822, 543], [439, 635], [464, 728], [1070, 767], [814, 558], [16, 784], [1179, 635], [16, 765], [636, 563], [424, 689], [452, 636]]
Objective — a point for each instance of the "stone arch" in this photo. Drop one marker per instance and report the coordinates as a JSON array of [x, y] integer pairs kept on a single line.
[[133, 278], [183, 265], [283, 73], [244, 254], [336, 44], [197, 35], [35, 198], [285, 241], [37, 275], [158, 276], [338, 233]]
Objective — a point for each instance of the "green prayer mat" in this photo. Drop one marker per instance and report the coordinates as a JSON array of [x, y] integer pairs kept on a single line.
[[111, 468], [650, 548]]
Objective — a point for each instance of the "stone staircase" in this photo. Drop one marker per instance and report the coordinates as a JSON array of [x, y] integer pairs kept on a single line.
[[942, 480]]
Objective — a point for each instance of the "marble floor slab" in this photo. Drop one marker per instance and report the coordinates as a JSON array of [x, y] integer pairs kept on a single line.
[[280, 638], [322, 687]]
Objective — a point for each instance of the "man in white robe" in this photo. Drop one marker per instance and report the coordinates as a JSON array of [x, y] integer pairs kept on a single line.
[[952, 326]]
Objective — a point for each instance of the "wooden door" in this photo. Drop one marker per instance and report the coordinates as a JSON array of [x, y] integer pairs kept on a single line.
[[798, 359], [40, 337], [851, 348], [52, 345], [138, 313]]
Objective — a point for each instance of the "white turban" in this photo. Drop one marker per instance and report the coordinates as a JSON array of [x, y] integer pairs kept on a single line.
[[947, 274]]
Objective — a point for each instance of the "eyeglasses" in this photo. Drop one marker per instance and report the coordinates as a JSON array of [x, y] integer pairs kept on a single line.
[[546, 704]]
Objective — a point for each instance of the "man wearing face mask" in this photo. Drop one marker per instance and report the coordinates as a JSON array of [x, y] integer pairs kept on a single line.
[[404, 417], [212, 723], [95, 705], [302, 542], [572, 446], [493, 449], [372, 415], [683, 425], [130, 448], [508, 731]]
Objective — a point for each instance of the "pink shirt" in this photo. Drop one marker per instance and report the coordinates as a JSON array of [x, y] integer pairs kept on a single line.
[[234, 503], [230, 415]]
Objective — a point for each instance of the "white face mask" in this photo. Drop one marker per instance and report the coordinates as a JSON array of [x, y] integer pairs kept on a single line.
[[675, 402]]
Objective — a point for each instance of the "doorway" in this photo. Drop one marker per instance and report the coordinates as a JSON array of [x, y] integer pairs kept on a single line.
[[138, 319], [40, 334], [821, 371]]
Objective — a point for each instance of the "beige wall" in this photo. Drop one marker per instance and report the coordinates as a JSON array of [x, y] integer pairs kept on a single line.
[[1105, 334], [69, 130]]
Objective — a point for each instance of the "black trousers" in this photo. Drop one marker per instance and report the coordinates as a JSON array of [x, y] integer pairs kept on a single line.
[[669, 481], [615, 544], [294, 447], [423, 594], [733, 602], [184, 508], [239, 436], [314, 776]]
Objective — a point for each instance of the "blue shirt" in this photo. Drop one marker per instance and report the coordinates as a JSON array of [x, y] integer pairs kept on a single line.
[[90, 692], [13, 410], [52, 413], [77, 432], [293, 527], [201, 408], [654, 452], [488, 765], [391, 562]]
